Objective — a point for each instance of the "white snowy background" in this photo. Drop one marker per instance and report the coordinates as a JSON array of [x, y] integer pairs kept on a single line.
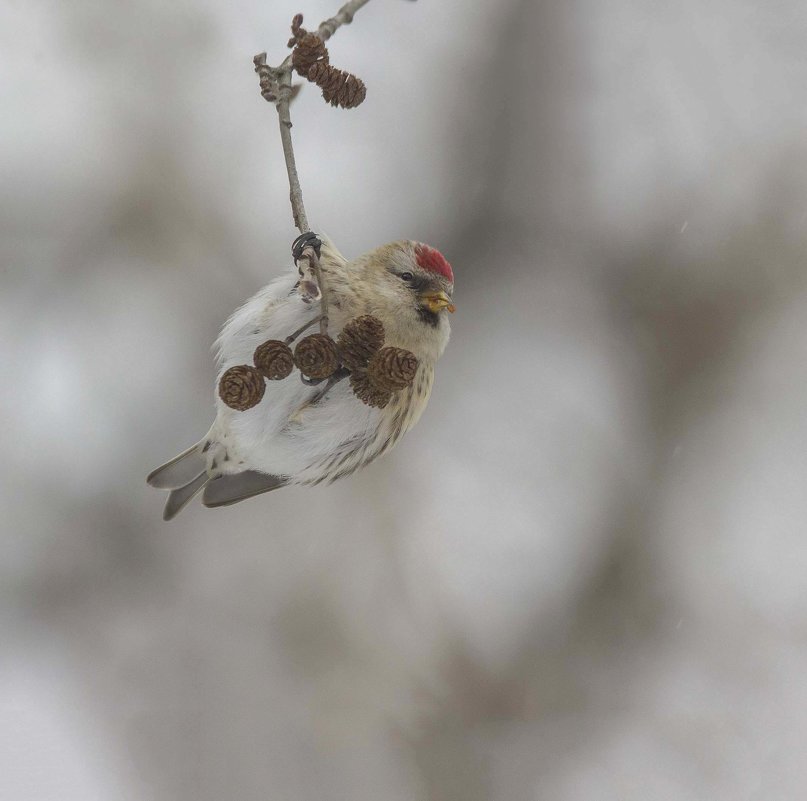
[[582, 577]]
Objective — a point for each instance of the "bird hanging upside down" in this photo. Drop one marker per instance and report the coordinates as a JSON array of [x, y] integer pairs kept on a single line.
[[304, 434]]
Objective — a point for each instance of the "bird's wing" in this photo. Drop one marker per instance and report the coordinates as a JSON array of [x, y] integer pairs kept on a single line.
[[259, 309], [273, 313]]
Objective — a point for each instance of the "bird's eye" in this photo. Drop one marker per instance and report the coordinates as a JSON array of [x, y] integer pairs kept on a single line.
[[407, 276]]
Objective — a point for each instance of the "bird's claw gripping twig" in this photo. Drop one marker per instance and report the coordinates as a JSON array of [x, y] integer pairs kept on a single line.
[[307, 247], [309, 238]]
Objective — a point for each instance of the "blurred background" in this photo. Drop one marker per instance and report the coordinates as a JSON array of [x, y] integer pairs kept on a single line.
[[582, 577]]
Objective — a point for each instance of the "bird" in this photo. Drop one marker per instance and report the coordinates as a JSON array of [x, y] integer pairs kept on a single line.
[[301, 434]]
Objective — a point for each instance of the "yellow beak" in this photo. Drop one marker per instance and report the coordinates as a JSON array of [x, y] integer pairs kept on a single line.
[[437, 301]]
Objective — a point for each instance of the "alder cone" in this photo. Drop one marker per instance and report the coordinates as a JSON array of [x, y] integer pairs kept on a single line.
[[339, 88], [309, 49], [364, 389], [393, 368], [316, 356], [241, 387], [359, 341], [274, 359]]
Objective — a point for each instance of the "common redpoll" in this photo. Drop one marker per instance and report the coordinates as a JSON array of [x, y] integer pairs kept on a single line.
[[303, 434]]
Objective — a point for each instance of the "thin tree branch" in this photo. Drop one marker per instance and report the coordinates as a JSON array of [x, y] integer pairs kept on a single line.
[[276, 87], [284, 118], [297, 205], [291, 337], [343, 17]]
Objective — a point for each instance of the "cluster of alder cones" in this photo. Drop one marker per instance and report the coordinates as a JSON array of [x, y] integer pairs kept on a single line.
[[311, 60], [375, 371]]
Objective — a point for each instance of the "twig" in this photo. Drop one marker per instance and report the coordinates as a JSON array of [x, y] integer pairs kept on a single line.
[[343, 17], [291, 337], [284, 118], [276, 88], [338, 376]]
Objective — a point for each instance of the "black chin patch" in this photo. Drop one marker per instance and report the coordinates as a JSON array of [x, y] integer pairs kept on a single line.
[[428, 316]]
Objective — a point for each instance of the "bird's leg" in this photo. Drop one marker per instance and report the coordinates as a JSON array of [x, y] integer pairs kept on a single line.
[[310, 287]]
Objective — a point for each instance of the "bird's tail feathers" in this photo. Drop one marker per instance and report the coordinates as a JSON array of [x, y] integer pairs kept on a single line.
[[225, 490], [179, 498], [181, 470], [184, 476]]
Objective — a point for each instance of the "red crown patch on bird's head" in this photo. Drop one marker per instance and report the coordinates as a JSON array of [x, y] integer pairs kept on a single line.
[[433, 261]]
